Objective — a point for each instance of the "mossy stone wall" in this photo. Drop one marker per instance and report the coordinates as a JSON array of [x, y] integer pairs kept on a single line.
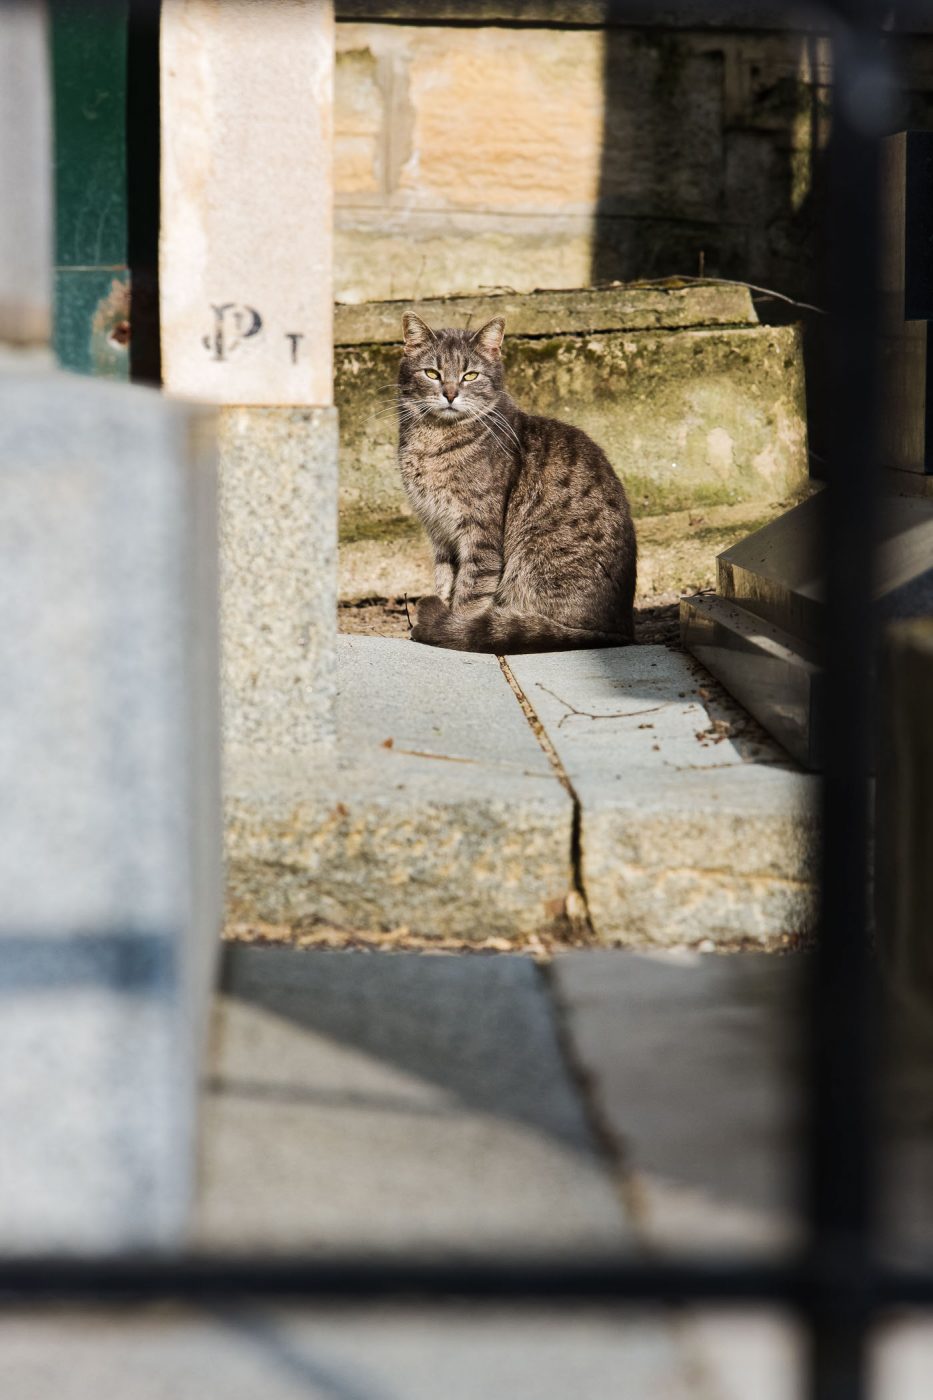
[[690, 417]]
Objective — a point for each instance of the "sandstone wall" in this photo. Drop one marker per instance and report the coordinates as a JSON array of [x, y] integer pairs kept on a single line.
[[494, 156]]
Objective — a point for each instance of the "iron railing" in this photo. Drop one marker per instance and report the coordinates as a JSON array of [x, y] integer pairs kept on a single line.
[[837, 1285]]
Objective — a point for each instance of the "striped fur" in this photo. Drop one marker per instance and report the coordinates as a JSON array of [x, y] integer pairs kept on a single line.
[[533, 540]]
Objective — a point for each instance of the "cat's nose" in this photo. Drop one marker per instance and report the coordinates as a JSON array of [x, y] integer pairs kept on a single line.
[[450, 392]]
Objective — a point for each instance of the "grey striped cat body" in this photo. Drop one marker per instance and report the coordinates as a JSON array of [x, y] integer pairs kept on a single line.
[[533, 540]]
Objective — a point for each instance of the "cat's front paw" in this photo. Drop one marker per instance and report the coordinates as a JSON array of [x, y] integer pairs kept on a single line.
[[429, 613], [444, 582]]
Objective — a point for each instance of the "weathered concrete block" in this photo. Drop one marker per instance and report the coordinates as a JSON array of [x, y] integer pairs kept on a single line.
[[392, 252], [693, 826], [278, 472], [693, 413], [109, 827], [691, 417], [443, 814]]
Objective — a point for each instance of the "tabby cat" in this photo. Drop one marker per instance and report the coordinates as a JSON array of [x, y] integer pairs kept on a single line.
[[534, 547]]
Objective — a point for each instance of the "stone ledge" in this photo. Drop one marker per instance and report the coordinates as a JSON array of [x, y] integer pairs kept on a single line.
[[694, 827], [440, 812], [693, 14], [549, 313]]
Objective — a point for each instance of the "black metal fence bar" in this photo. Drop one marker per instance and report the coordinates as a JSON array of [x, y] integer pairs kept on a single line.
[[837, 1286], [841, 1136], [494, 1279]]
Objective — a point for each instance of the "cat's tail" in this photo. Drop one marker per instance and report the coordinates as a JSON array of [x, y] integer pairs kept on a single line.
[[500, 630]]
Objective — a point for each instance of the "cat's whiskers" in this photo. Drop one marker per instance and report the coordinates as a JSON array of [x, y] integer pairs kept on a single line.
[[398, 406], [493, 415], [503, 446], [387, 413], [499, 417]]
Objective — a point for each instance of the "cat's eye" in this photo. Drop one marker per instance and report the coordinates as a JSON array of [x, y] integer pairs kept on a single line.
[[433, 373], [472, 374]]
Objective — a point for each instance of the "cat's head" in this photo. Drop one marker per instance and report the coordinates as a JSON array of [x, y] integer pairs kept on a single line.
[[450, 375]]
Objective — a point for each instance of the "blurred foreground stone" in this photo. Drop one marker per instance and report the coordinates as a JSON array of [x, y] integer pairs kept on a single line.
[[109, 826]]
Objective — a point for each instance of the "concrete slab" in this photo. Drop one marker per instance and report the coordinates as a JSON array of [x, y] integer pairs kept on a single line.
[[417, 1354], [442, 814], [738, 1354], [347, 1354], [694, 825], [692, 1066], [398, 1101], [695, 1067], [433, 703]]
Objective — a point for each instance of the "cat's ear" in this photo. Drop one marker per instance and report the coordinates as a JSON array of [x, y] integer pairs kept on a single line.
[[488, 339], [417, 334]]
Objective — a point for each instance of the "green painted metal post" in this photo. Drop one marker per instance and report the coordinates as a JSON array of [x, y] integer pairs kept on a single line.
[[92, 281]]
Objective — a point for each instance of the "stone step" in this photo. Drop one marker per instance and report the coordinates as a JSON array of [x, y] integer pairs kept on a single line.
[[442, 813], [760, 636], [772, 674], [694, 827], [775, 573]]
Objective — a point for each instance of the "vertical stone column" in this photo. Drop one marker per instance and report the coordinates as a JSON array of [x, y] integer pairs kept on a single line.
[[246, 311], [25, 174]]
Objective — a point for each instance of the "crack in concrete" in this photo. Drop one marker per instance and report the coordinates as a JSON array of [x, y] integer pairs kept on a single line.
[[455, 758], [574, 713], [612, 1151], [577, 906]]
